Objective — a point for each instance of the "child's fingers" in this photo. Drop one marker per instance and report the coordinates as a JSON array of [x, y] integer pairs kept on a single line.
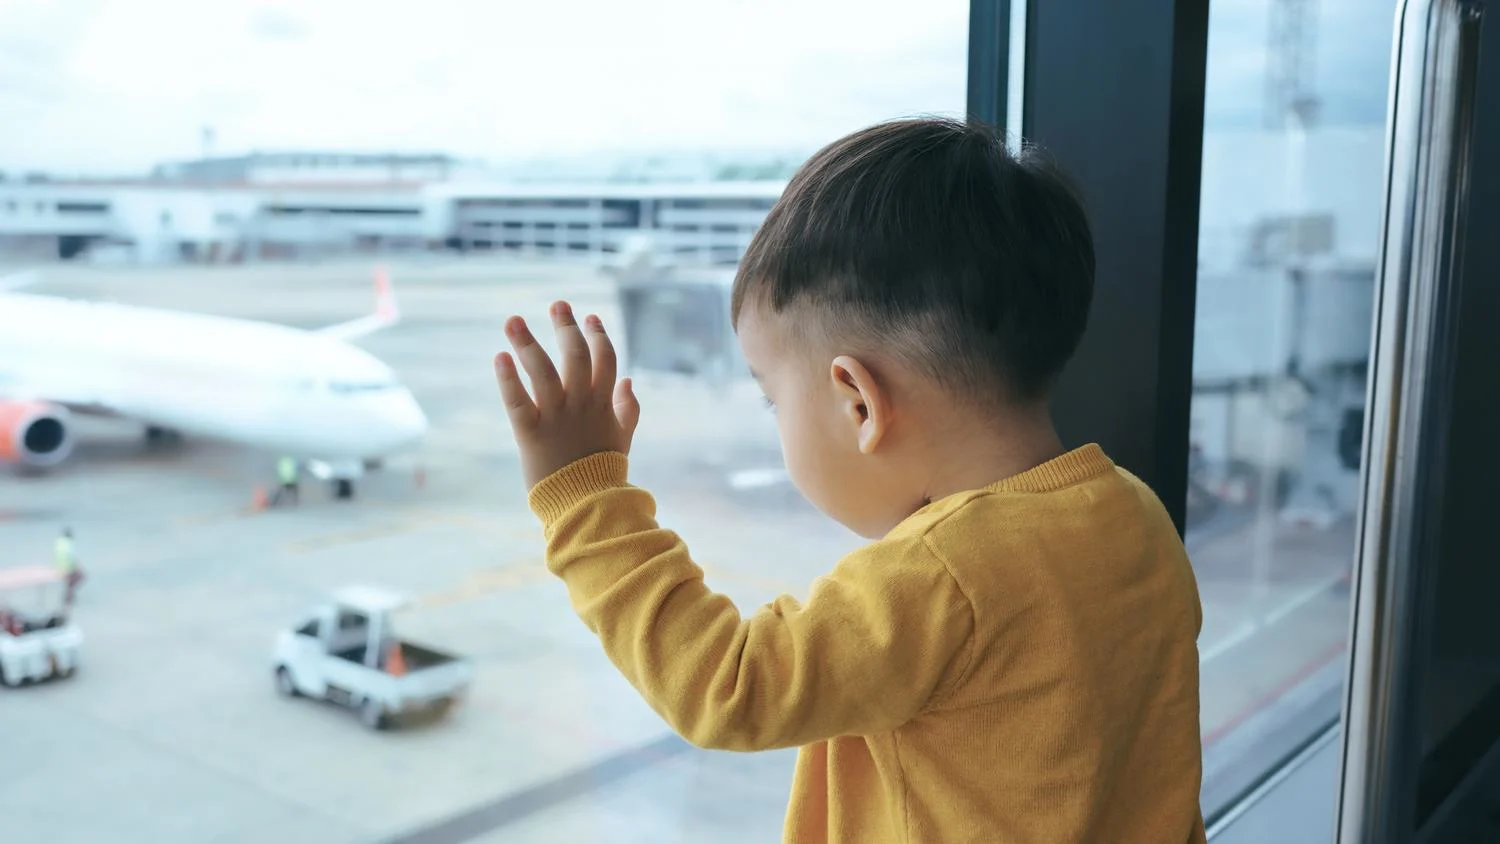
[[603, 352], [577, 370], [538, 364], [518, 404], [627, 408]]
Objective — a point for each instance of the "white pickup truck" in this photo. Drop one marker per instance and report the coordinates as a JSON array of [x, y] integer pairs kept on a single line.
[[344, 652], [37, 638]]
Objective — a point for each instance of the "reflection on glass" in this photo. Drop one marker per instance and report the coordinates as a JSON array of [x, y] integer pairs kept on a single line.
[[231, 460], [1289, 227]]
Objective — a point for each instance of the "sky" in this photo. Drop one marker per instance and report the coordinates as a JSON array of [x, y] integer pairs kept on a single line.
[[92, 86]]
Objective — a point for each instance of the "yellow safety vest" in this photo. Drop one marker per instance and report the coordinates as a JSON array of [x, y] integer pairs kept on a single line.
[[63, 556]]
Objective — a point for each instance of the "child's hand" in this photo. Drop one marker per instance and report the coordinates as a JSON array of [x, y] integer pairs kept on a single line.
[[582, 413]]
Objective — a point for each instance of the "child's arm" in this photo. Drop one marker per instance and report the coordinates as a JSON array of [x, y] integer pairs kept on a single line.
[[878, 638]]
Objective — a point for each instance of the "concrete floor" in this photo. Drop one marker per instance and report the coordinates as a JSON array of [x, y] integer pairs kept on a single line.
[[172, 731]]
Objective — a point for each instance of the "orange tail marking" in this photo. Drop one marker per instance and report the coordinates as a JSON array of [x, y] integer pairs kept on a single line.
[[385, 294]]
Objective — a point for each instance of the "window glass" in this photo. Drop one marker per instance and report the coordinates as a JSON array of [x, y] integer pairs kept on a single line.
[[1289, 225], [265, 161]]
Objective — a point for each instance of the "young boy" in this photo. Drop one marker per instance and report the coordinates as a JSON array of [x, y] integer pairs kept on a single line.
[[1013, 656]]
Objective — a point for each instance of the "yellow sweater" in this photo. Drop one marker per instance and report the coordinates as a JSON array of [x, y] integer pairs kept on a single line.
[[1011, 664]]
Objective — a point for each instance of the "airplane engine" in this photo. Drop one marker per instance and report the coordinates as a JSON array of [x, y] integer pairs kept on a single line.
[[34, 434]]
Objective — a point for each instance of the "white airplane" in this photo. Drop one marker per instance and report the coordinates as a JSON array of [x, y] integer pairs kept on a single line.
[[304, 394]]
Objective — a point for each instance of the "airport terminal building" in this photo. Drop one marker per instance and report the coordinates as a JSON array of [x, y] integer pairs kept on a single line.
[[300, 205], [295, 205]]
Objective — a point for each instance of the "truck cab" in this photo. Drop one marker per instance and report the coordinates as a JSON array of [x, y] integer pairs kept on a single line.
[[38, 639], [345, 651]]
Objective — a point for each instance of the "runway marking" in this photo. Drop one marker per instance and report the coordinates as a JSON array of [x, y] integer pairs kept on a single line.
[[487, 582], [1301, 675], [745, 479], [1247, 630], [475, 523], [330, 540], [1242, 631], [211, 518]]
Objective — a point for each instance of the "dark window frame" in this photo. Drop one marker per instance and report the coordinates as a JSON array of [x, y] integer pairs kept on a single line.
[[1115, 94]]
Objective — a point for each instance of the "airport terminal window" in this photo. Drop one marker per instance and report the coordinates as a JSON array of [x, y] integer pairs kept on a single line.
[[82, 207], [210, 537], [622, 213], [1289, 222]]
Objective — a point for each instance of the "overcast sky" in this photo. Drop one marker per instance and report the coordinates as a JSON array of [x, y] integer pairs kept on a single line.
[[116, 85]]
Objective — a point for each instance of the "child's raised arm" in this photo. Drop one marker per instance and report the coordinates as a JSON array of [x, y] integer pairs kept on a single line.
[[873, 645], [879, 639]]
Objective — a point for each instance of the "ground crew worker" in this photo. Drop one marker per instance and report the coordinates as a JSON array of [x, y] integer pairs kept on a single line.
[[287, 472], [65, 557]]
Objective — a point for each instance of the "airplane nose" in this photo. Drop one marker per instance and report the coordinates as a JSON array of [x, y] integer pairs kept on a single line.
[[408, 418]]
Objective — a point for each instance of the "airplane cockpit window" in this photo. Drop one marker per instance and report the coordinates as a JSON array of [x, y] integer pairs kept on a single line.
[[348, 387]]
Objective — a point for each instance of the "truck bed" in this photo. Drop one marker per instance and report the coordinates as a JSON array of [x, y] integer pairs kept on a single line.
[[417, 657]]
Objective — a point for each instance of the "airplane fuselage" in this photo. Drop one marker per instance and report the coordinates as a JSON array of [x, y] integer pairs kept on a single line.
[[273, 387]]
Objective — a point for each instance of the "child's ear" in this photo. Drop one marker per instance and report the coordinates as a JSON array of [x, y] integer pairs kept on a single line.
[[862, 400]]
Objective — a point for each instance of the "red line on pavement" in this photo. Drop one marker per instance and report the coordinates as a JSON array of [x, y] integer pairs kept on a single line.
[[1312, 666]]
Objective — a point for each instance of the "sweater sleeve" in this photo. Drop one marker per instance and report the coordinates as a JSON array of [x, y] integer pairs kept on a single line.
[[878, 639]]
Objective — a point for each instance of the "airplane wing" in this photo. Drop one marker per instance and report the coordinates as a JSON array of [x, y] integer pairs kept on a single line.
[[386, 313]]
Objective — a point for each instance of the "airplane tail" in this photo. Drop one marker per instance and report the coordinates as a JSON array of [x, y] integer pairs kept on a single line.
[[387, 312], [385, 296]]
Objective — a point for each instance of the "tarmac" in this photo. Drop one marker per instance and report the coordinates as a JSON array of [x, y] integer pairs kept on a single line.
[[172, 730]]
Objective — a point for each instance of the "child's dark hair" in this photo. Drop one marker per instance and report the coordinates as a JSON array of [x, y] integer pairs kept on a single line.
[[928, 236]]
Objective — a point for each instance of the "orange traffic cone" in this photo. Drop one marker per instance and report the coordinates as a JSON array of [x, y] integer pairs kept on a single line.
[[258, 499], [395, 661]]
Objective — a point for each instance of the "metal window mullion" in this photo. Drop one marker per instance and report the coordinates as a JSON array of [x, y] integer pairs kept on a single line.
[[1431, 111]]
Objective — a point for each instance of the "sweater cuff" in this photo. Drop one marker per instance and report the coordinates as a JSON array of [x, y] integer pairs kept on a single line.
[[562, 490]]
